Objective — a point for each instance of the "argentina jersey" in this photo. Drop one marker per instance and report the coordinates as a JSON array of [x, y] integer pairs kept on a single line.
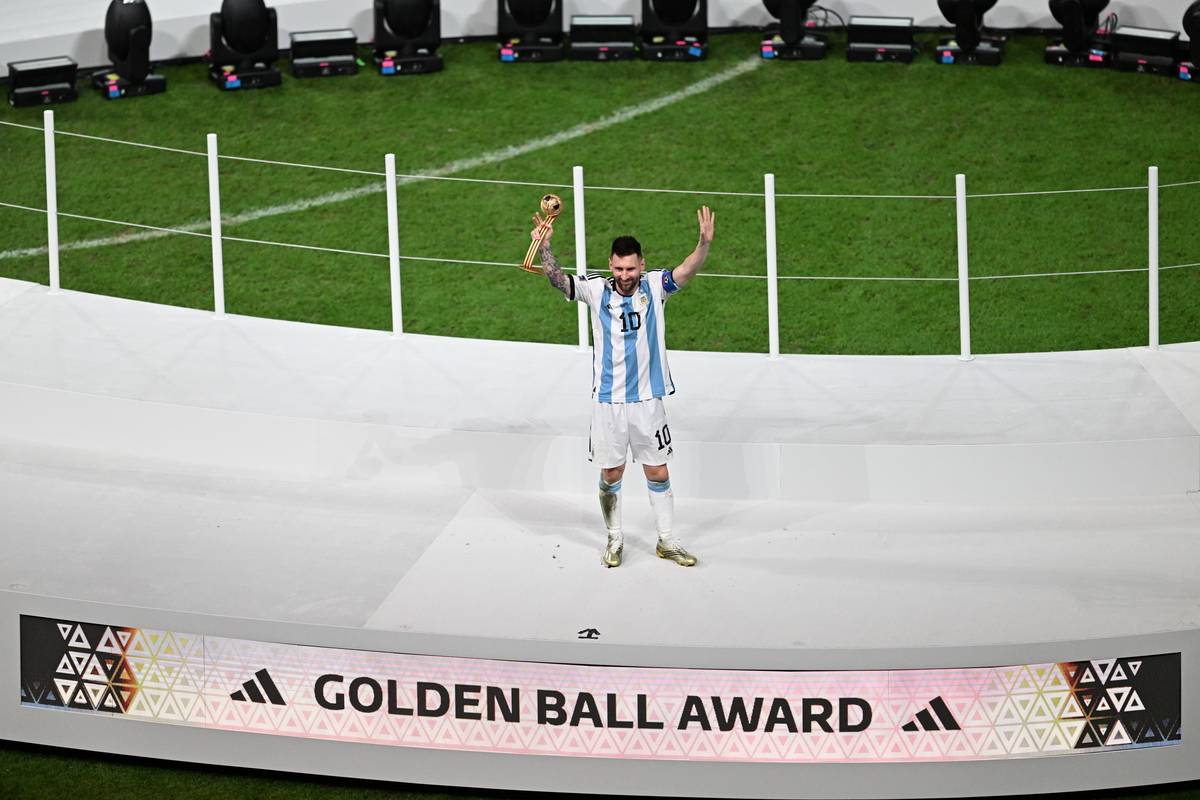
[[629, 337]]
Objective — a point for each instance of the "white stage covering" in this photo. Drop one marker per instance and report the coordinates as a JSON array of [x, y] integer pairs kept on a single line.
[[272, 514], [253, 468]]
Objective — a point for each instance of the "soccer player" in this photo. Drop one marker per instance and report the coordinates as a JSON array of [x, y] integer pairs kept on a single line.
[[630, 376]]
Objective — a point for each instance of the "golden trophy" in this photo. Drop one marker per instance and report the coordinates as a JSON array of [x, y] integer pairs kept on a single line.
[[551, 208]]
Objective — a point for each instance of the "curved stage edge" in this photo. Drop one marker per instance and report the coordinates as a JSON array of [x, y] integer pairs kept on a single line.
[[606, 775], [273, 545]]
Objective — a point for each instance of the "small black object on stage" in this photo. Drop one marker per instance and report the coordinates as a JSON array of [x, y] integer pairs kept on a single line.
[[42, 81], [968, 45], [322, 54], [127, 32], [1146, 50], [674, 30], [880, 39], [1085, 39], [610, 37], [244, 44], [530, 30], [408, 34]]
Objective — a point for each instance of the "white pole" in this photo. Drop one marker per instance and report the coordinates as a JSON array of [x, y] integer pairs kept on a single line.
[[580, 250], [772, 269], [964, 290], [1154, 258], [389, 164], [214, 216], [51, 199]]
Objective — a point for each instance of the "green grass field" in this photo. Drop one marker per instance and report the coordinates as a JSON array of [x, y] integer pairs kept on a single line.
[[827, 127], [29, 773]]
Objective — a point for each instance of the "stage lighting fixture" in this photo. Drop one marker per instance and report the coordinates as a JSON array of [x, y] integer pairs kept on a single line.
[[1146, 50], [603, 38], [127, 30], [1085, 41], [674, 30], [407, 36], [968, 45], [1191, 26], [42, 81], [795, 38], [244, 43], [880, 39], [322, 54], [531, 30]]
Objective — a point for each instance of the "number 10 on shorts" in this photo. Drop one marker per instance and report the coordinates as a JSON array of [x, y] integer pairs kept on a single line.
[[664, 437]]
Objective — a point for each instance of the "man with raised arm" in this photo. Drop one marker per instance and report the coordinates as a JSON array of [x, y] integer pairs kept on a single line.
[[630, 376]]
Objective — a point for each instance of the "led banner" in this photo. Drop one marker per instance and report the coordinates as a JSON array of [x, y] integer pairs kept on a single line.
[[601, 712]]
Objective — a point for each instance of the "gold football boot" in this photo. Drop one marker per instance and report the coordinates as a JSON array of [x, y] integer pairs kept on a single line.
[[612, 553], [672, 550]]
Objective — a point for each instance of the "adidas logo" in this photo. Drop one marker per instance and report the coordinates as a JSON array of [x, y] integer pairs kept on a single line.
[[924, 721], [252, 692]]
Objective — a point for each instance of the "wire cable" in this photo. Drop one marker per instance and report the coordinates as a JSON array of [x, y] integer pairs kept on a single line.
[[1059, 191], [296, 164], [473, 262]]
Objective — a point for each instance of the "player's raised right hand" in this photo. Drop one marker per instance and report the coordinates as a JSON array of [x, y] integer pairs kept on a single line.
[[538, 220]]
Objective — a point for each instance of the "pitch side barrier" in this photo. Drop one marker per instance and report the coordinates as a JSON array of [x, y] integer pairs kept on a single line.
[[391, 178]]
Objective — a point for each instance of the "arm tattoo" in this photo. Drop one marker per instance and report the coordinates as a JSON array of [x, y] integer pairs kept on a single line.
[[553, 271]]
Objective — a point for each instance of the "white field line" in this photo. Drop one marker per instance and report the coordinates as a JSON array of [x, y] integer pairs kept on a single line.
[[461, 165]]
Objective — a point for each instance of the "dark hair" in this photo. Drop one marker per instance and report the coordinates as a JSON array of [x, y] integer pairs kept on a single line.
[[626, 246]]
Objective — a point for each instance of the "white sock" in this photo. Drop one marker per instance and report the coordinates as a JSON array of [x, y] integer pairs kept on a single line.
[[662, 500], [610, 507]]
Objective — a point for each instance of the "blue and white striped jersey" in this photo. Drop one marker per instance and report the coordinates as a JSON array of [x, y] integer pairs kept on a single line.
[[629, 336]]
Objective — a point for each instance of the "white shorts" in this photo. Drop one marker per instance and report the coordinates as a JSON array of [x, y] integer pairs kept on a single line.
[[618, 428]]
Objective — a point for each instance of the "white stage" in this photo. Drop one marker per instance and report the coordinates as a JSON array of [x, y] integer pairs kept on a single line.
[[320, 486], [76, 27]]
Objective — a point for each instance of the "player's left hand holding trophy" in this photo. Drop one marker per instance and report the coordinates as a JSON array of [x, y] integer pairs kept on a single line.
[[543, 225]]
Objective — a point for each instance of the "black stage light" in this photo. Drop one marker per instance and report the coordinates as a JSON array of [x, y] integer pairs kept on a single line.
[[1191, 26], [880, 39], [127, 30], [42, 81], [969, 45], [795, 38], [244, 40], [674, 30], [407, 36], [1085, 41], [530, 30], [322, 54], [1146, 50], [603, 38]]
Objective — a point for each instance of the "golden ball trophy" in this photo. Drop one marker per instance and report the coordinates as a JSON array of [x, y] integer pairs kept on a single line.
[[551, 208]]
